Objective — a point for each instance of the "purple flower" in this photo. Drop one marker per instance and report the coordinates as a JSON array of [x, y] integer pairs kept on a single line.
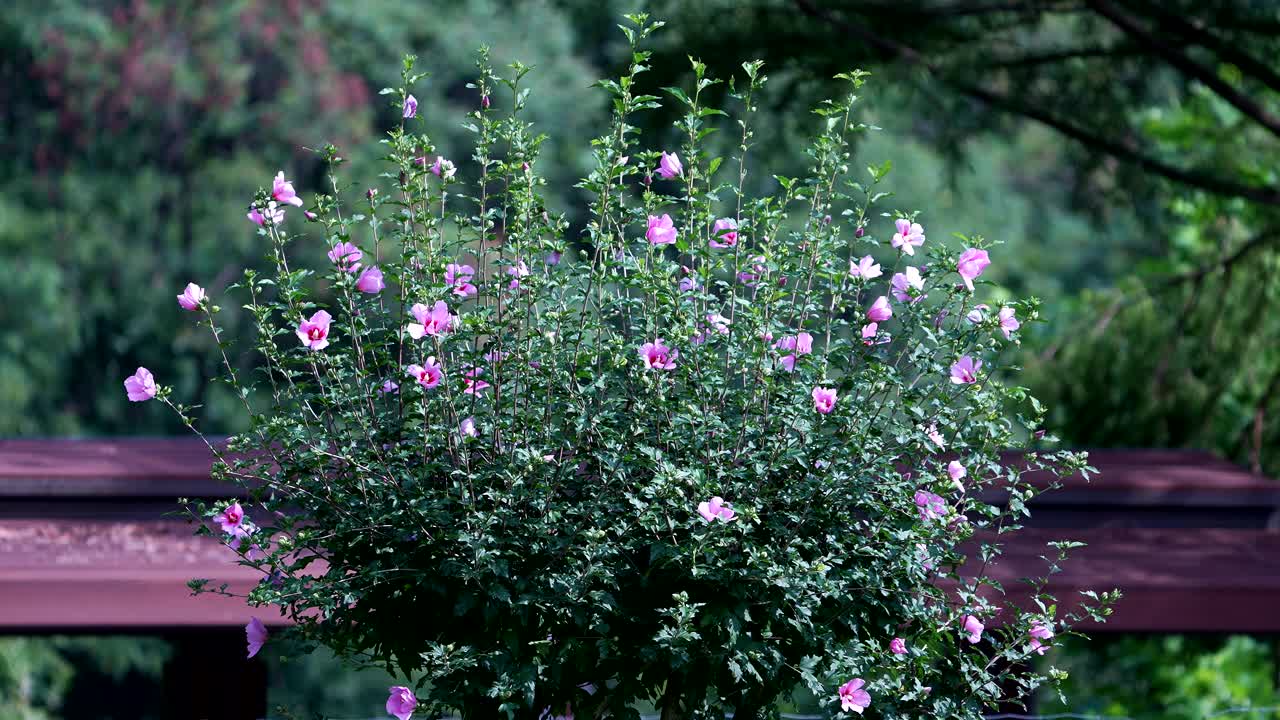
[[459, 278], [973, 629], [442, 168], [757, 271], [401, 703], [140, 386], [716, 509], [467, 428], [726, 233], [255, 635], [517, 271], [192, 296], [314, 332], [657, 356], [871, 334], [909, 236], [370, 281], [965, 371], [410, 107], [433, 321], [232, 521], [274, 213], [935, 436], [1040, 632], [879, 310], [930, 506], [853, 697], [1008, 323], [824, 400], [971, 264], [866, 268], [428, 375], [669, 166], [346, 256], [282, 191], [662, 231], [471, 381], [908, 286]]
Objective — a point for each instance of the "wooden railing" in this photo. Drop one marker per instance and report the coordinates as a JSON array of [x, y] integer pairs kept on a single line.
[[85, 543]]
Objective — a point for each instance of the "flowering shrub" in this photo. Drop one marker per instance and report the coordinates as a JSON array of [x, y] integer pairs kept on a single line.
[[695, 454]]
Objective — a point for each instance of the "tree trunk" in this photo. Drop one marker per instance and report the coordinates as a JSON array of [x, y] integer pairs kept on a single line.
[[671, 701]]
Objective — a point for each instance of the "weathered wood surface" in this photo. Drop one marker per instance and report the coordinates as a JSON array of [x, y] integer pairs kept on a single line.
[[1173, 579], [64, 574], [85, 545], [118, 468]]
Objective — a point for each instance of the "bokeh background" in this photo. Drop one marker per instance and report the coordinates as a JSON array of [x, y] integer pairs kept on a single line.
[[1125, 152]]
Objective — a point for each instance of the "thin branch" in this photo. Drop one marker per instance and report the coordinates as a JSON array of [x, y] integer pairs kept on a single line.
[[1256, 242], [1206, 76], [1195, 33], [962, 9], [1118, 150], [1055, 56]]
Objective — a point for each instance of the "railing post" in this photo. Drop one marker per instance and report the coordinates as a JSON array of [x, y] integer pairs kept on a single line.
[[208, 677]]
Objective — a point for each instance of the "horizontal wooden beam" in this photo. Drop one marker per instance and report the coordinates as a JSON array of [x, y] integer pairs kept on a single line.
[[1172, 579], [169, 467], [117, 468], [1191, 540], [69, 575], [76, 574]]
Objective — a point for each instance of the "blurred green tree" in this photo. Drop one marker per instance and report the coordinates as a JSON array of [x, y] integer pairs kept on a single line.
[[1163, 121], [135, 132], [45, 678], [1172, 677]]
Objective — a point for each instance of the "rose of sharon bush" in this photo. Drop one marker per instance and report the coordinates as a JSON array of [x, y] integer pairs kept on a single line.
[[694, 454]]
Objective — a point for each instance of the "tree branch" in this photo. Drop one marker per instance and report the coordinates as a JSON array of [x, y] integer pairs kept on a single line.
[[1187, 66], [1194, 33], [1055, 56], [1256, 242], [961, 9], [1124, 152]]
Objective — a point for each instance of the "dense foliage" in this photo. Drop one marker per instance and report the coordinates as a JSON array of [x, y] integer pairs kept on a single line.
[[699, 461], [1169, 677], [102, 677]]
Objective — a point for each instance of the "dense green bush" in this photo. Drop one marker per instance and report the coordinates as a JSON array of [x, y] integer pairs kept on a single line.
[[705, 461]]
